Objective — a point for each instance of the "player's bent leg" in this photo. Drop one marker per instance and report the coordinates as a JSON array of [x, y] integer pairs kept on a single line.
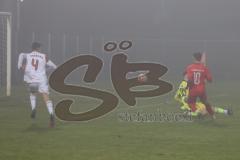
[[43, 89], [201, 108], [208, 108], [49, 106], [221, 110], [45, 94], [192, 103], [33, 89], [203, 99], [33, 99], [48, 103]]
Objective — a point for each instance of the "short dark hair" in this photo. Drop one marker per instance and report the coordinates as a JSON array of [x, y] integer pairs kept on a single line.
[[197, 56], [36, 45]]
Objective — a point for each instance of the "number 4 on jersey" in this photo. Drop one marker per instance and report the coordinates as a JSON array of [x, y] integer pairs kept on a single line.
[[35, 64]]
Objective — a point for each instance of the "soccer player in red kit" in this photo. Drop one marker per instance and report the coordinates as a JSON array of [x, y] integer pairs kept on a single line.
[[196, 75]]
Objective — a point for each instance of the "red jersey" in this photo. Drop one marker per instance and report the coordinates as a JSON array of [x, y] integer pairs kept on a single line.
[[197, 74]]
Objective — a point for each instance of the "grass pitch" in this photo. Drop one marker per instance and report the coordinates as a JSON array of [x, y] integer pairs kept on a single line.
[[110, 138]]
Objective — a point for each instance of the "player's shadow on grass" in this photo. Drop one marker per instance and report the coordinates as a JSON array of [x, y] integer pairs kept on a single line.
[[210, 123], [39, 129]]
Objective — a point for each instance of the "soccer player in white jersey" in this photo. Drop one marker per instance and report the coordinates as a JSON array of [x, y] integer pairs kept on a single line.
[[34, 66]]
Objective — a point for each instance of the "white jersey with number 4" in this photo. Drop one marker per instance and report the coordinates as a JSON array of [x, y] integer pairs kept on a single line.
[[35, 67]]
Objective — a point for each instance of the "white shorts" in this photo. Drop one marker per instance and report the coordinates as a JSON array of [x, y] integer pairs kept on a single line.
[[41, 87]]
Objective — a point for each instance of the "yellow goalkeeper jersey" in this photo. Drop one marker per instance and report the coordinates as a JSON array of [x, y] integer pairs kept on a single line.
[[182, 95]]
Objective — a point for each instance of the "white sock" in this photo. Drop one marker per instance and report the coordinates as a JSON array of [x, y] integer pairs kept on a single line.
[[50, 107], [33, 101], [225, 111]]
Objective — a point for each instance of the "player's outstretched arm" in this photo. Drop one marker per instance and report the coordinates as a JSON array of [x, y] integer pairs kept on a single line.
[[204, 59], [51, 64]]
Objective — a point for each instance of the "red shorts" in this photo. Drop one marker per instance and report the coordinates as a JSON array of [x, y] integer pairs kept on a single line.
[[194, 94]]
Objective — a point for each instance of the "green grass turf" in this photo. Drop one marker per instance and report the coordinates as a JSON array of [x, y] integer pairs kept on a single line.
[[108, 138]]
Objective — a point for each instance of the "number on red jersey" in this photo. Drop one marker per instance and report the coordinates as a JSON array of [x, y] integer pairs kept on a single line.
[[197, 78]]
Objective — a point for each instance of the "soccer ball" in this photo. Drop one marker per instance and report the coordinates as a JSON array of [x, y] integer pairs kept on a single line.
[[142, 77]]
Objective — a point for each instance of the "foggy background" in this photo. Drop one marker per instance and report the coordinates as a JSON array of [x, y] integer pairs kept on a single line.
[[163, 31]]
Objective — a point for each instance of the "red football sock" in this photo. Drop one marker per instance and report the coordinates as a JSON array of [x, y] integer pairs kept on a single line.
[[209, 109], [193, 107]]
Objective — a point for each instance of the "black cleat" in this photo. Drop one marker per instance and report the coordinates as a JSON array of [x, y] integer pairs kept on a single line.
[[33, 114], [229, 112], [52, 121]]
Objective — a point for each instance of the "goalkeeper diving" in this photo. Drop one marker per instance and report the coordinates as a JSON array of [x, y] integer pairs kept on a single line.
[[181, 96]]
